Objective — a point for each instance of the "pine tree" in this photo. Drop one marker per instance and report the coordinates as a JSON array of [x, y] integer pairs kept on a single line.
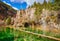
[[57, 4], [44, 4]]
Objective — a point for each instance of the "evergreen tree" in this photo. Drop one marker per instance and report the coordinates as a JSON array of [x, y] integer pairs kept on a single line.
[[44, 4], [57, 4]]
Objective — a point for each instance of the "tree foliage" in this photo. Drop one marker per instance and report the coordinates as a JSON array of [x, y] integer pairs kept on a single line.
[[50, 5]]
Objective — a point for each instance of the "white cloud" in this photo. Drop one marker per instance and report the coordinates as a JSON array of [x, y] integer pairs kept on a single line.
[[47, 0], [40, 1], [4, 1], [7, 3], [12, 0], [10, 5], [29, 2], [17, 1], [15, 8]]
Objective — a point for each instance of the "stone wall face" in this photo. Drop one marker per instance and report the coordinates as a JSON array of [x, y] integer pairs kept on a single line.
[[24, 16], [30, 13]]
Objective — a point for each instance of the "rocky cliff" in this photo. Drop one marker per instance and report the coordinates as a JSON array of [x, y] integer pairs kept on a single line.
[[6, 10]]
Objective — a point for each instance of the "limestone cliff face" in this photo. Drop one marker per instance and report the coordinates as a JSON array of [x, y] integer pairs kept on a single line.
[[30, 13], [24, 16]]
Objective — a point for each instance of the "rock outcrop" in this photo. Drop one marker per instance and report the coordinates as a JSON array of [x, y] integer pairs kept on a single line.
[[23, 16], [6, 10]]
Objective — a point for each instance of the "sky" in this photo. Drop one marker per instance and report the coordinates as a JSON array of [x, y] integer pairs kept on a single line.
[[21, 4]]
